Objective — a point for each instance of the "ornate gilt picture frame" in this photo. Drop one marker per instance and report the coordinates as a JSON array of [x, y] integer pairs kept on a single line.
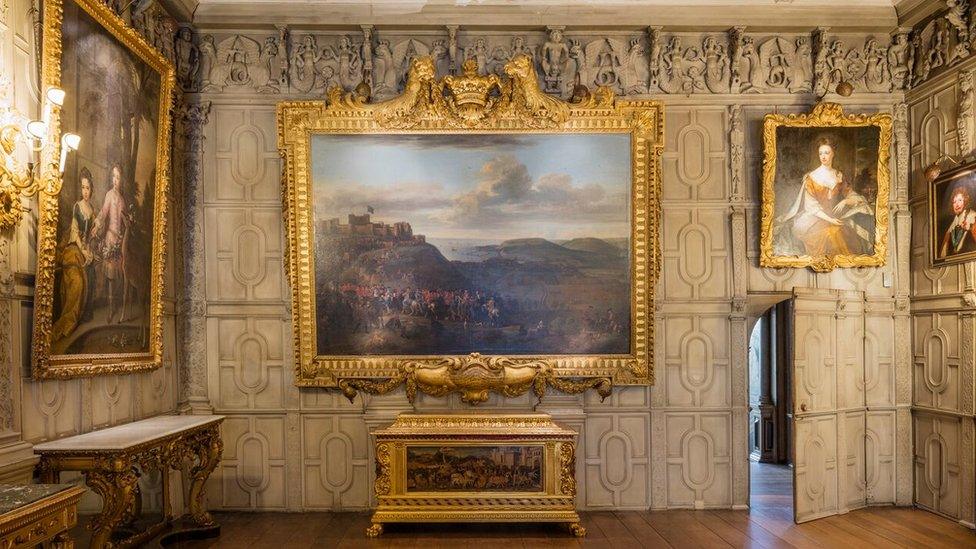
[[826, 179], [472, 112], [102, 238], [952, 216]]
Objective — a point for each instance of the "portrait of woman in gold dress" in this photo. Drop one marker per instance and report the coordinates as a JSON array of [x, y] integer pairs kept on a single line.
[[828, 216], [825, 184], [76, 262]]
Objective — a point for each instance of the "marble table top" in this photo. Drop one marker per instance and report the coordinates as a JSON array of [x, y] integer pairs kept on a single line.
[[129, 435], [15, 496]]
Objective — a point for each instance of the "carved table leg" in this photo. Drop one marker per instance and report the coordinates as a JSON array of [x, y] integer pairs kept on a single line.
[[48, 472], [62, 541], [374, 530], [134, 510], [115, 482], [167, 499], [208, 449]]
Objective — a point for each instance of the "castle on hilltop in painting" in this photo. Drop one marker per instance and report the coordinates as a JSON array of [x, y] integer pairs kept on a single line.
[[472, 243]]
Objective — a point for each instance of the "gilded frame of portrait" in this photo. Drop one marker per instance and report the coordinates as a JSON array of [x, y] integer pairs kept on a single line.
[[942, 193], [45, 363], [509, 104], [825, 115]]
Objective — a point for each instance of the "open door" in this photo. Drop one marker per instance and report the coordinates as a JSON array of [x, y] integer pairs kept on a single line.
[[829, 418]]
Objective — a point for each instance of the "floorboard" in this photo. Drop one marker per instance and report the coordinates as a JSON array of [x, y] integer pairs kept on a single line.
[[874, 527], [768, 524]]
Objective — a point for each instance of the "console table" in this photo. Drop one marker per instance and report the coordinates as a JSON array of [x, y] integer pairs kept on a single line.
[[112, 460], [31, 514]]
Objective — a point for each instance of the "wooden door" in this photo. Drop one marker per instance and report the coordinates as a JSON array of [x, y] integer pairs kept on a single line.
[[828, 403]]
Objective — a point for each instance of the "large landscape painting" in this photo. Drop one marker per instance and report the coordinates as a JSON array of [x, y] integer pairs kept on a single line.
[[452, 244]]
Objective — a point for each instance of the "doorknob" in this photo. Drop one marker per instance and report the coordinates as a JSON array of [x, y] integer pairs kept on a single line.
[[803, 406]]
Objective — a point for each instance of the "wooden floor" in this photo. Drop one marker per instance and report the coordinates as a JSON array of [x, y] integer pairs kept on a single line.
[[769, 523], [866, 528]]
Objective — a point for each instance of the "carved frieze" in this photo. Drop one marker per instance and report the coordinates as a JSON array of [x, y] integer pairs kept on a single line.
[[629, 64]]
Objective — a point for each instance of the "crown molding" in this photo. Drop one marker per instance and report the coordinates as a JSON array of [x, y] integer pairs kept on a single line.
[[181, 10], [910, 12], [704, 15]]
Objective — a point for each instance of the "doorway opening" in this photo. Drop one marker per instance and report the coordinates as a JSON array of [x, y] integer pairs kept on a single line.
[[770, 411]]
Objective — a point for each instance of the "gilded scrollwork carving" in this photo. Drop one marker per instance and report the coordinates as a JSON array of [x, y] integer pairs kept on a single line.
[[115, 481], [567, 469], [382, 486], [474, 377], [208, 447]]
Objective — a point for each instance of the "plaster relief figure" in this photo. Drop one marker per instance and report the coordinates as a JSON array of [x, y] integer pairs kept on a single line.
[[187, 59], [956, 16], [803, 68], [714, 57], [749, 65], [637, 68], [403, 55], [836, 64], [519, 47], [654, 58], [304, 60], [384, 70], [554, 56], [877, 77], [343, 62], [269, 64], [452, 47], [208, 58], [479, 52], [442, 60], [901, 59], [577, 69]]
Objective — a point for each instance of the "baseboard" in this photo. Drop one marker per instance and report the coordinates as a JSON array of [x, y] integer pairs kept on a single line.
[[17, 463]]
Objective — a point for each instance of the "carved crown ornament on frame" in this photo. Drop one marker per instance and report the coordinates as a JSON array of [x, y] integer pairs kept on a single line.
[[470, 103]]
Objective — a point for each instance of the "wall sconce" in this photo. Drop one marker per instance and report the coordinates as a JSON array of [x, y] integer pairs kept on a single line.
[[38, 136]]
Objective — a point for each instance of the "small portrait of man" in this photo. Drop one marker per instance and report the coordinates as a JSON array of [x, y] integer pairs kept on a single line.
[[959, 237]]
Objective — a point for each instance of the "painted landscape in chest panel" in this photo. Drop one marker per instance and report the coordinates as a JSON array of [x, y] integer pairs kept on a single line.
[[453, 244]]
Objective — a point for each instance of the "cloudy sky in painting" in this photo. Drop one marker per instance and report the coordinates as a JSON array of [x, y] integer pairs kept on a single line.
[[478, 186]]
